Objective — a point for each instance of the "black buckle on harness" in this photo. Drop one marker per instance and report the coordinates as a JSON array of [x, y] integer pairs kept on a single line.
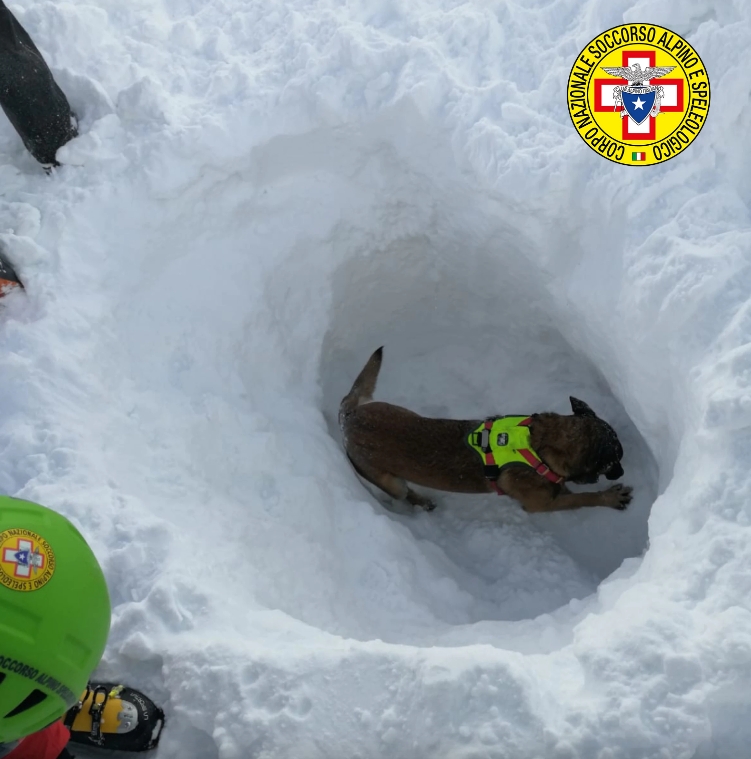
[[491, 471], [482, 440]]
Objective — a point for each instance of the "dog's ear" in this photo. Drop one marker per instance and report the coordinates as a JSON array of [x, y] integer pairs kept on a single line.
[[580, 408]]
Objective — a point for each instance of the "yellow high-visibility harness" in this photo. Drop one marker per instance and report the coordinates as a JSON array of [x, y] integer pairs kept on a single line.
[[504, 441]]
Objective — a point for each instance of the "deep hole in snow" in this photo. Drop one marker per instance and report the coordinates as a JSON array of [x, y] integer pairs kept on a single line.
[[468, 333], [323, 246]]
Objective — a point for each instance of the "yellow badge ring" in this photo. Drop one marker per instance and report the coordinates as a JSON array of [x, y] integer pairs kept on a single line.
[[638, 94], [27, 561]]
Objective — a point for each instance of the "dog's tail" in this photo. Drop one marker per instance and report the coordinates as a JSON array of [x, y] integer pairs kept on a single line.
[[364, 386]]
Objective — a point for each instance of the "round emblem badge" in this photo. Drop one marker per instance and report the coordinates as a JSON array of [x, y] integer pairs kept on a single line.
[[638, 94], [27, 561]]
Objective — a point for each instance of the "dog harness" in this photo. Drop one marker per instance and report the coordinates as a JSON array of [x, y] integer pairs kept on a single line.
[[504, 441]]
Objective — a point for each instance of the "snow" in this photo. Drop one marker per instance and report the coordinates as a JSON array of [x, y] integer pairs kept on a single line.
[[264, 193]]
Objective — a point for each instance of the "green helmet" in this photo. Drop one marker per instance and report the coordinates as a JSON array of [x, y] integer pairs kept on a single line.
[[54, 616]]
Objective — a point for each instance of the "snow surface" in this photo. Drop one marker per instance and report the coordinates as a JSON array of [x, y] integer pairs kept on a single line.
[[265, 192]]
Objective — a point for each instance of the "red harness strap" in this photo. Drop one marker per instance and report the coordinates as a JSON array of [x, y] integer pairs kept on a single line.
[[490, 459], [536, 463], [532, 460]]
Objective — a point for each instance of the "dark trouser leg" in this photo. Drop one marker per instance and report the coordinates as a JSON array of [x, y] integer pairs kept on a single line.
[[65, 755], [31, 99]]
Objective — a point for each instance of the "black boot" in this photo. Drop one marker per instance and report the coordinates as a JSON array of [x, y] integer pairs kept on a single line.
[[115, 717], [31, 99]]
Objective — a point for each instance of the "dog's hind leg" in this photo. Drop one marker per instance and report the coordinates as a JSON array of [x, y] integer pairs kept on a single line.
[[392, 485], [418, 500]]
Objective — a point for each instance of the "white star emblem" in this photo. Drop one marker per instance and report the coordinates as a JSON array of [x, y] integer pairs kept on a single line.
[[639, 104]]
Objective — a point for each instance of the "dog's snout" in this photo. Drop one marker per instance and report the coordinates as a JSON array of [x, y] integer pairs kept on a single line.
[[615, 472]]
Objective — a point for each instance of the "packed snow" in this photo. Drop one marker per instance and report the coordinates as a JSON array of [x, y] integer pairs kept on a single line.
[[261, 195]]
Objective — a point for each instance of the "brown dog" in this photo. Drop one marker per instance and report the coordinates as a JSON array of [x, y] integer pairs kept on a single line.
[[390, 446]]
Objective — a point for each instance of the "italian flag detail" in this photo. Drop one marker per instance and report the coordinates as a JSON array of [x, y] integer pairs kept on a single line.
[[638, 156]]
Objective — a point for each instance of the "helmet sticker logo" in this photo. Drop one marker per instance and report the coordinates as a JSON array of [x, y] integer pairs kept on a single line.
[[27, 561]]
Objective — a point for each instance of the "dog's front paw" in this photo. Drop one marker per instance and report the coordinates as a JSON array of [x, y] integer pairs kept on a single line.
[[619, 496]]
